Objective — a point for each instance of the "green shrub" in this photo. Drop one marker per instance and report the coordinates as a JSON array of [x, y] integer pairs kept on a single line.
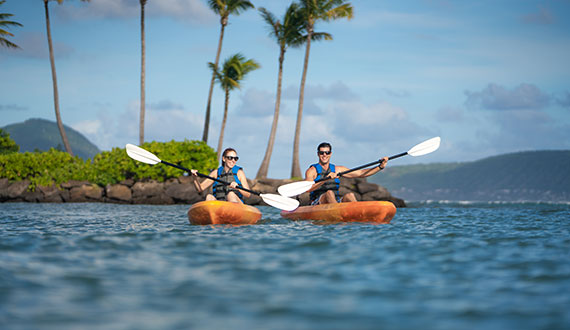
[[107, 167], [41, 168], [7, 145]]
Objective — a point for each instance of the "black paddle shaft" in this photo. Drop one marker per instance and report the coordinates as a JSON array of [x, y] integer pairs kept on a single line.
[[364, 166], [209, 177]]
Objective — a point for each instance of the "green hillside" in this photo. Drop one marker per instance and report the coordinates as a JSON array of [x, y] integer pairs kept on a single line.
[[40, 134], [532, 175]]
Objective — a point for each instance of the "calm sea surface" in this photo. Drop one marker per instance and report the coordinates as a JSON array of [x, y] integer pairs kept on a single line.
[[436, 266]]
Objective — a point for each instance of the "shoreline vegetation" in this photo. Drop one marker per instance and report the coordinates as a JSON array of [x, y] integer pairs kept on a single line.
[[55, 176]]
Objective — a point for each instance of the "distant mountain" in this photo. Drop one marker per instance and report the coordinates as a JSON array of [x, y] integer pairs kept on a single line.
[[40, 134], [522, 176]]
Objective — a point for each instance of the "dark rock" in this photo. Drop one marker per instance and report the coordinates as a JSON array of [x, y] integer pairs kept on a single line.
[[160, 199], [147, 189], [74, 184], [264, 188], [4, 184], [366, 187], [254, 200], [65, 195], [17, 189], [118, 192], [398, 202], [186, 180], [304, 199], [31, 196], [348, 183], [183, 193], [128, 182], [86, 193], [375, 196], [343, 191], [150, 192], [273, 182], [50, 194], [177, 190]]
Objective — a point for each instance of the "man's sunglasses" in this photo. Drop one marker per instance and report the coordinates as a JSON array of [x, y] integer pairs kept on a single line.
[[325, 152], [232, 158]]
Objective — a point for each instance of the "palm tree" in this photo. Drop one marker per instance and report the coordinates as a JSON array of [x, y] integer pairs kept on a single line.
[[313, 11], [54, 79], [3, 23], [287, 33], [143, 60], [234, 70], [223, 8]]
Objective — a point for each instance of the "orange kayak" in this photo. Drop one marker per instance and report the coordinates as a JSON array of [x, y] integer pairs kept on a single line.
[[222, 212], [370, 211]]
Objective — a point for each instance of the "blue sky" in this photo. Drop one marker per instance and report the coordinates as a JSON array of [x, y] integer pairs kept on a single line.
[[489, 77]]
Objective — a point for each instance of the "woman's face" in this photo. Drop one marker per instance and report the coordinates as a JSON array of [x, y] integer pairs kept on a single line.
[[231, 158]]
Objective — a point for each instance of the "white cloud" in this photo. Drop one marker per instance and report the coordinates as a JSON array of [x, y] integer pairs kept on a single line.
[[256, 102], [192, 11], [88, 127], [450, 115], [34, 45], [496, 97]]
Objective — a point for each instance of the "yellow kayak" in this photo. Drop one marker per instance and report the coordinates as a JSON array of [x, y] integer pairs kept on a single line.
[[369, 211], [222, 212]]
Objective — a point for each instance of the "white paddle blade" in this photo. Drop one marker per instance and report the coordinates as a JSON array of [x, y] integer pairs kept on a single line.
[[141, 155], [280, 202], [295, 188], [425, 147]]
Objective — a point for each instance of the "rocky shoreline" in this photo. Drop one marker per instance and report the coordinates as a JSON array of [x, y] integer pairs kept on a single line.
[[173, 191]]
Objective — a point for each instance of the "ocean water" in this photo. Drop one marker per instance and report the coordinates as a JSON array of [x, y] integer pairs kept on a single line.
[[436, 266]]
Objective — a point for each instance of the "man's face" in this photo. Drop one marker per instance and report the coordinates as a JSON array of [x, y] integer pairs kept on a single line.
[[324, 154]]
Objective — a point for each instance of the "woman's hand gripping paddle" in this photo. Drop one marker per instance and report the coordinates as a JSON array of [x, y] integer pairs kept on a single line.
[[299, 187], [278, 201]]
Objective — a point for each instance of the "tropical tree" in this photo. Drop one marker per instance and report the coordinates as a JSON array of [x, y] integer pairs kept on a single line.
[[233, 71], [222, 8], [54, 80], [286, 32], [5, 24], [7, 145], [314, 11], [143, 61]]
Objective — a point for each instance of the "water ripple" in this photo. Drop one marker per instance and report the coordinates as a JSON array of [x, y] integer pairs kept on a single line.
[[436, 266]]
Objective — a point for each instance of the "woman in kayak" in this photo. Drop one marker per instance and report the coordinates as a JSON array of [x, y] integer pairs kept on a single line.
[[327, 191], [228, 172]]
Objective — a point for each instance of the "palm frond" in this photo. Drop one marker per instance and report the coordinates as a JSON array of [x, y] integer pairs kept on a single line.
[[236, 7], [272, 22], [318, 36]]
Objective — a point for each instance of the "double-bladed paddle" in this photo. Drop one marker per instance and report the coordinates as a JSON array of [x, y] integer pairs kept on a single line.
[[299, 187], [278, 201]]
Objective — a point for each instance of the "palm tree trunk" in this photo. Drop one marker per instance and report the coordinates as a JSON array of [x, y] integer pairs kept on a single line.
[[295, 168], [263, 169], [208, 106], [54, 79], [221, 139], [143, 60]]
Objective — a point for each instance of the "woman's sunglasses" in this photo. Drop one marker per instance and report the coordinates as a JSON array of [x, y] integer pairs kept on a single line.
[[232, 158], [325, 152]]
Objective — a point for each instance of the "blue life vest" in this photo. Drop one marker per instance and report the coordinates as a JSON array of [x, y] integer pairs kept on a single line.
[[221, 190], [331, 184]]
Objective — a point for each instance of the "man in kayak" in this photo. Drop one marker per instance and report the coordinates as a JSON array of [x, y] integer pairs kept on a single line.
[[325, 192], [228, 172]]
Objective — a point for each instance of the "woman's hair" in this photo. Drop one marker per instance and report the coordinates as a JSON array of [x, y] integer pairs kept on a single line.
[[225, 153]]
